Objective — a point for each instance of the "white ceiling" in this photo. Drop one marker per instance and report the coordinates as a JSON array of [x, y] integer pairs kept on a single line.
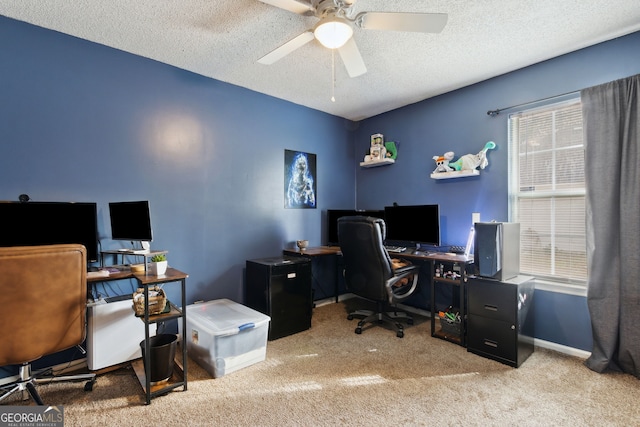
[[223, 39]]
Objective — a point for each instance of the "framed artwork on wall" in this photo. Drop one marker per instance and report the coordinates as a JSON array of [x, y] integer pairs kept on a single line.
[[299, 180]]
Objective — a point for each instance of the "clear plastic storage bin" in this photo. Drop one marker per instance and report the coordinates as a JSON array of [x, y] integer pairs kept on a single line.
[[223, 336]]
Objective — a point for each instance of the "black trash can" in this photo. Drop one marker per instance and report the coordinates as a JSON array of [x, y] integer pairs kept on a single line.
[[163, 351]]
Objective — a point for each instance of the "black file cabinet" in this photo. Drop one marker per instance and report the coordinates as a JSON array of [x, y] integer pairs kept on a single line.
[[281, 289], [500, 319]]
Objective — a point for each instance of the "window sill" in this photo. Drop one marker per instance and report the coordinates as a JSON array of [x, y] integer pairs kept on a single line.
[[561, 288]]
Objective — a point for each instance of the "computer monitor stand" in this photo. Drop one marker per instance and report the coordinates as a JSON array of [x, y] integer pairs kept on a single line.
[[144, 245]]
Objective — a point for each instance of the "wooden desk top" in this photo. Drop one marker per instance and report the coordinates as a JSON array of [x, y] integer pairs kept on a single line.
[[171, 275], [408, 254], [435, 256], [122, 274], [314, 251], [144, 278]]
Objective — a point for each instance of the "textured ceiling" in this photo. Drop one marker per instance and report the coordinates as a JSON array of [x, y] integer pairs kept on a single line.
[[223, 39]]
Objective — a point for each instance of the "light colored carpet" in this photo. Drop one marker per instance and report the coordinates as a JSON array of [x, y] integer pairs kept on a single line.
[[329, 376]]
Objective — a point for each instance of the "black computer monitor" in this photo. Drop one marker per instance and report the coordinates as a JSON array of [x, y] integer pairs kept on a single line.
[[412, 225], [49, 223], [130, 221], [332, 221]]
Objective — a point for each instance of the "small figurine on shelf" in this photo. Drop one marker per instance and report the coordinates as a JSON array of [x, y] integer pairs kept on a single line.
[[474, 161], [392, 150], [465, 165], [442, 162], [377, 151]]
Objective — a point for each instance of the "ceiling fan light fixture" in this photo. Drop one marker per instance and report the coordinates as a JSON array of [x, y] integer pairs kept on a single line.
[[333, 32]]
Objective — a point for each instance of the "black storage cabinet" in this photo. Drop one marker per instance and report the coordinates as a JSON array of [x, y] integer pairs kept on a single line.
[[500, 322], [281, 289]]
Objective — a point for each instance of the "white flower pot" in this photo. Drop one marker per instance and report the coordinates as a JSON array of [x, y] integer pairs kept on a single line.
[[158, 268]]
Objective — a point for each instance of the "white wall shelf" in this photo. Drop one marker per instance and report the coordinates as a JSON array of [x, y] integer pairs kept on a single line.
[[455, 174], [375, 163]]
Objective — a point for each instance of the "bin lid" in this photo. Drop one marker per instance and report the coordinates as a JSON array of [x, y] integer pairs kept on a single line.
[[225, 317]]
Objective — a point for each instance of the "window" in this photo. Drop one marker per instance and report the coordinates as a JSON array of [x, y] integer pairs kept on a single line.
[[547, 191]]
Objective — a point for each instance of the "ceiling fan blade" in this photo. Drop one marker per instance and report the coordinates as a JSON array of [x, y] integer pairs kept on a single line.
[[396, 21], [352, 59], [290, 5], [282, 51]]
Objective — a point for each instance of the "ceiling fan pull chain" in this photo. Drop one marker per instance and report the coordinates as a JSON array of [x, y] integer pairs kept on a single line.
[[333, 75]]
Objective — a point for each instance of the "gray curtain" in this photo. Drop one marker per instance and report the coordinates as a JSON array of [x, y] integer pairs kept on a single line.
[[612, 167]]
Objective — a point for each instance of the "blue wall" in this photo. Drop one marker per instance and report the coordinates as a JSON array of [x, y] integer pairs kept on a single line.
[[84, 122], [458, 121]]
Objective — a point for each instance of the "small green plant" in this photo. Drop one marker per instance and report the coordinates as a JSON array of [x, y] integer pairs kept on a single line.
[[158, 258]]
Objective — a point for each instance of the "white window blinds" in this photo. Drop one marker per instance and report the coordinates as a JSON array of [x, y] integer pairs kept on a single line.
[[547, 191]]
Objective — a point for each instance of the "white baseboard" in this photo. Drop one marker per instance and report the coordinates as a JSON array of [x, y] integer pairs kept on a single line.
[[583, 354], [69, 367], [536, 342]]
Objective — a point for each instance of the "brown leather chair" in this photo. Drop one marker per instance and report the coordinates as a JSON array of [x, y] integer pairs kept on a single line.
[[43, 298], [370, 274]]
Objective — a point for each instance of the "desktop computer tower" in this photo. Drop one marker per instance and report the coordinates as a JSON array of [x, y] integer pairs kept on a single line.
[[114, 333], [497, 250]]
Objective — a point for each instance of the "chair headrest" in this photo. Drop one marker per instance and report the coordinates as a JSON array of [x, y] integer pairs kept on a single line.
[[371, 220]]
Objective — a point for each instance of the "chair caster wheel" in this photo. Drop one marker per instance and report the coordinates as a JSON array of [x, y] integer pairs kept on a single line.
[[409, 321], [400, 334], [349, 317], [89, 385], [358, 330]]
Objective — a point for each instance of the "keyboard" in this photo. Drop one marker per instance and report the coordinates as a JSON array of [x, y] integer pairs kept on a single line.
[[457, 249], [395, 249]]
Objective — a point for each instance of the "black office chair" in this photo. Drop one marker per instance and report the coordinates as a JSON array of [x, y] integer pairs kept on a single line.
[[369, 273]]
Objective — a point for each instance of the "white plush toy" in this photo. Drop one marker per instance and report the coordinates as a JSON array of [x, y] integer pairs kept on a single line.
[[473, 161], [442, 162]]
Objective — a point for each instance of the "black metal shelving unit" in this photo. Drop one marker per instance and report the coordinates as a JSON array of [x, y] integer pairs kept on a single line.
[[143, 368]]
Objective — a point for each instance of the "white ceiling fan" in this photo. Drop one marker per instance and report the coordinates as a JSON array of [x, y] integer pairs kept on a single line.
[[335, 28]]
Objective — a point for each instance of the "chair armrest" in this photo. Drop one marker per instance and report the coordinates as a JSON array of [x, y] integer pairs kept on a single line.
[[407, 289], [406, 270]]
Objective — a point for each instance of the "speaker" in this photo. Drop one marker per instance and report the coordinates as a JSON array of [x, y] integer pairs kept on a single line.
[[497, 250]]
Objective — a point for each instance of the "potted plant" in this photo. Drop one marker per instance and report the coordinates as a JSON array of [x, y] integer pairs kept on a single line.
[[158, 264]]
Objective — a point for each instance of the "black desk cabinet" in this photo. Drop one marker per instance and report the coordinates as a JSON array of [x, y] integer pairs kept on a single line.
[[281, 289], [500, 319]]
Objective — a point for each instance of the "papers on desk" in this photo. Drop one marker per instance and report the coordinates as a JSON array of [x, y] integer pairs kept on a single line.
[[97, 274]]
